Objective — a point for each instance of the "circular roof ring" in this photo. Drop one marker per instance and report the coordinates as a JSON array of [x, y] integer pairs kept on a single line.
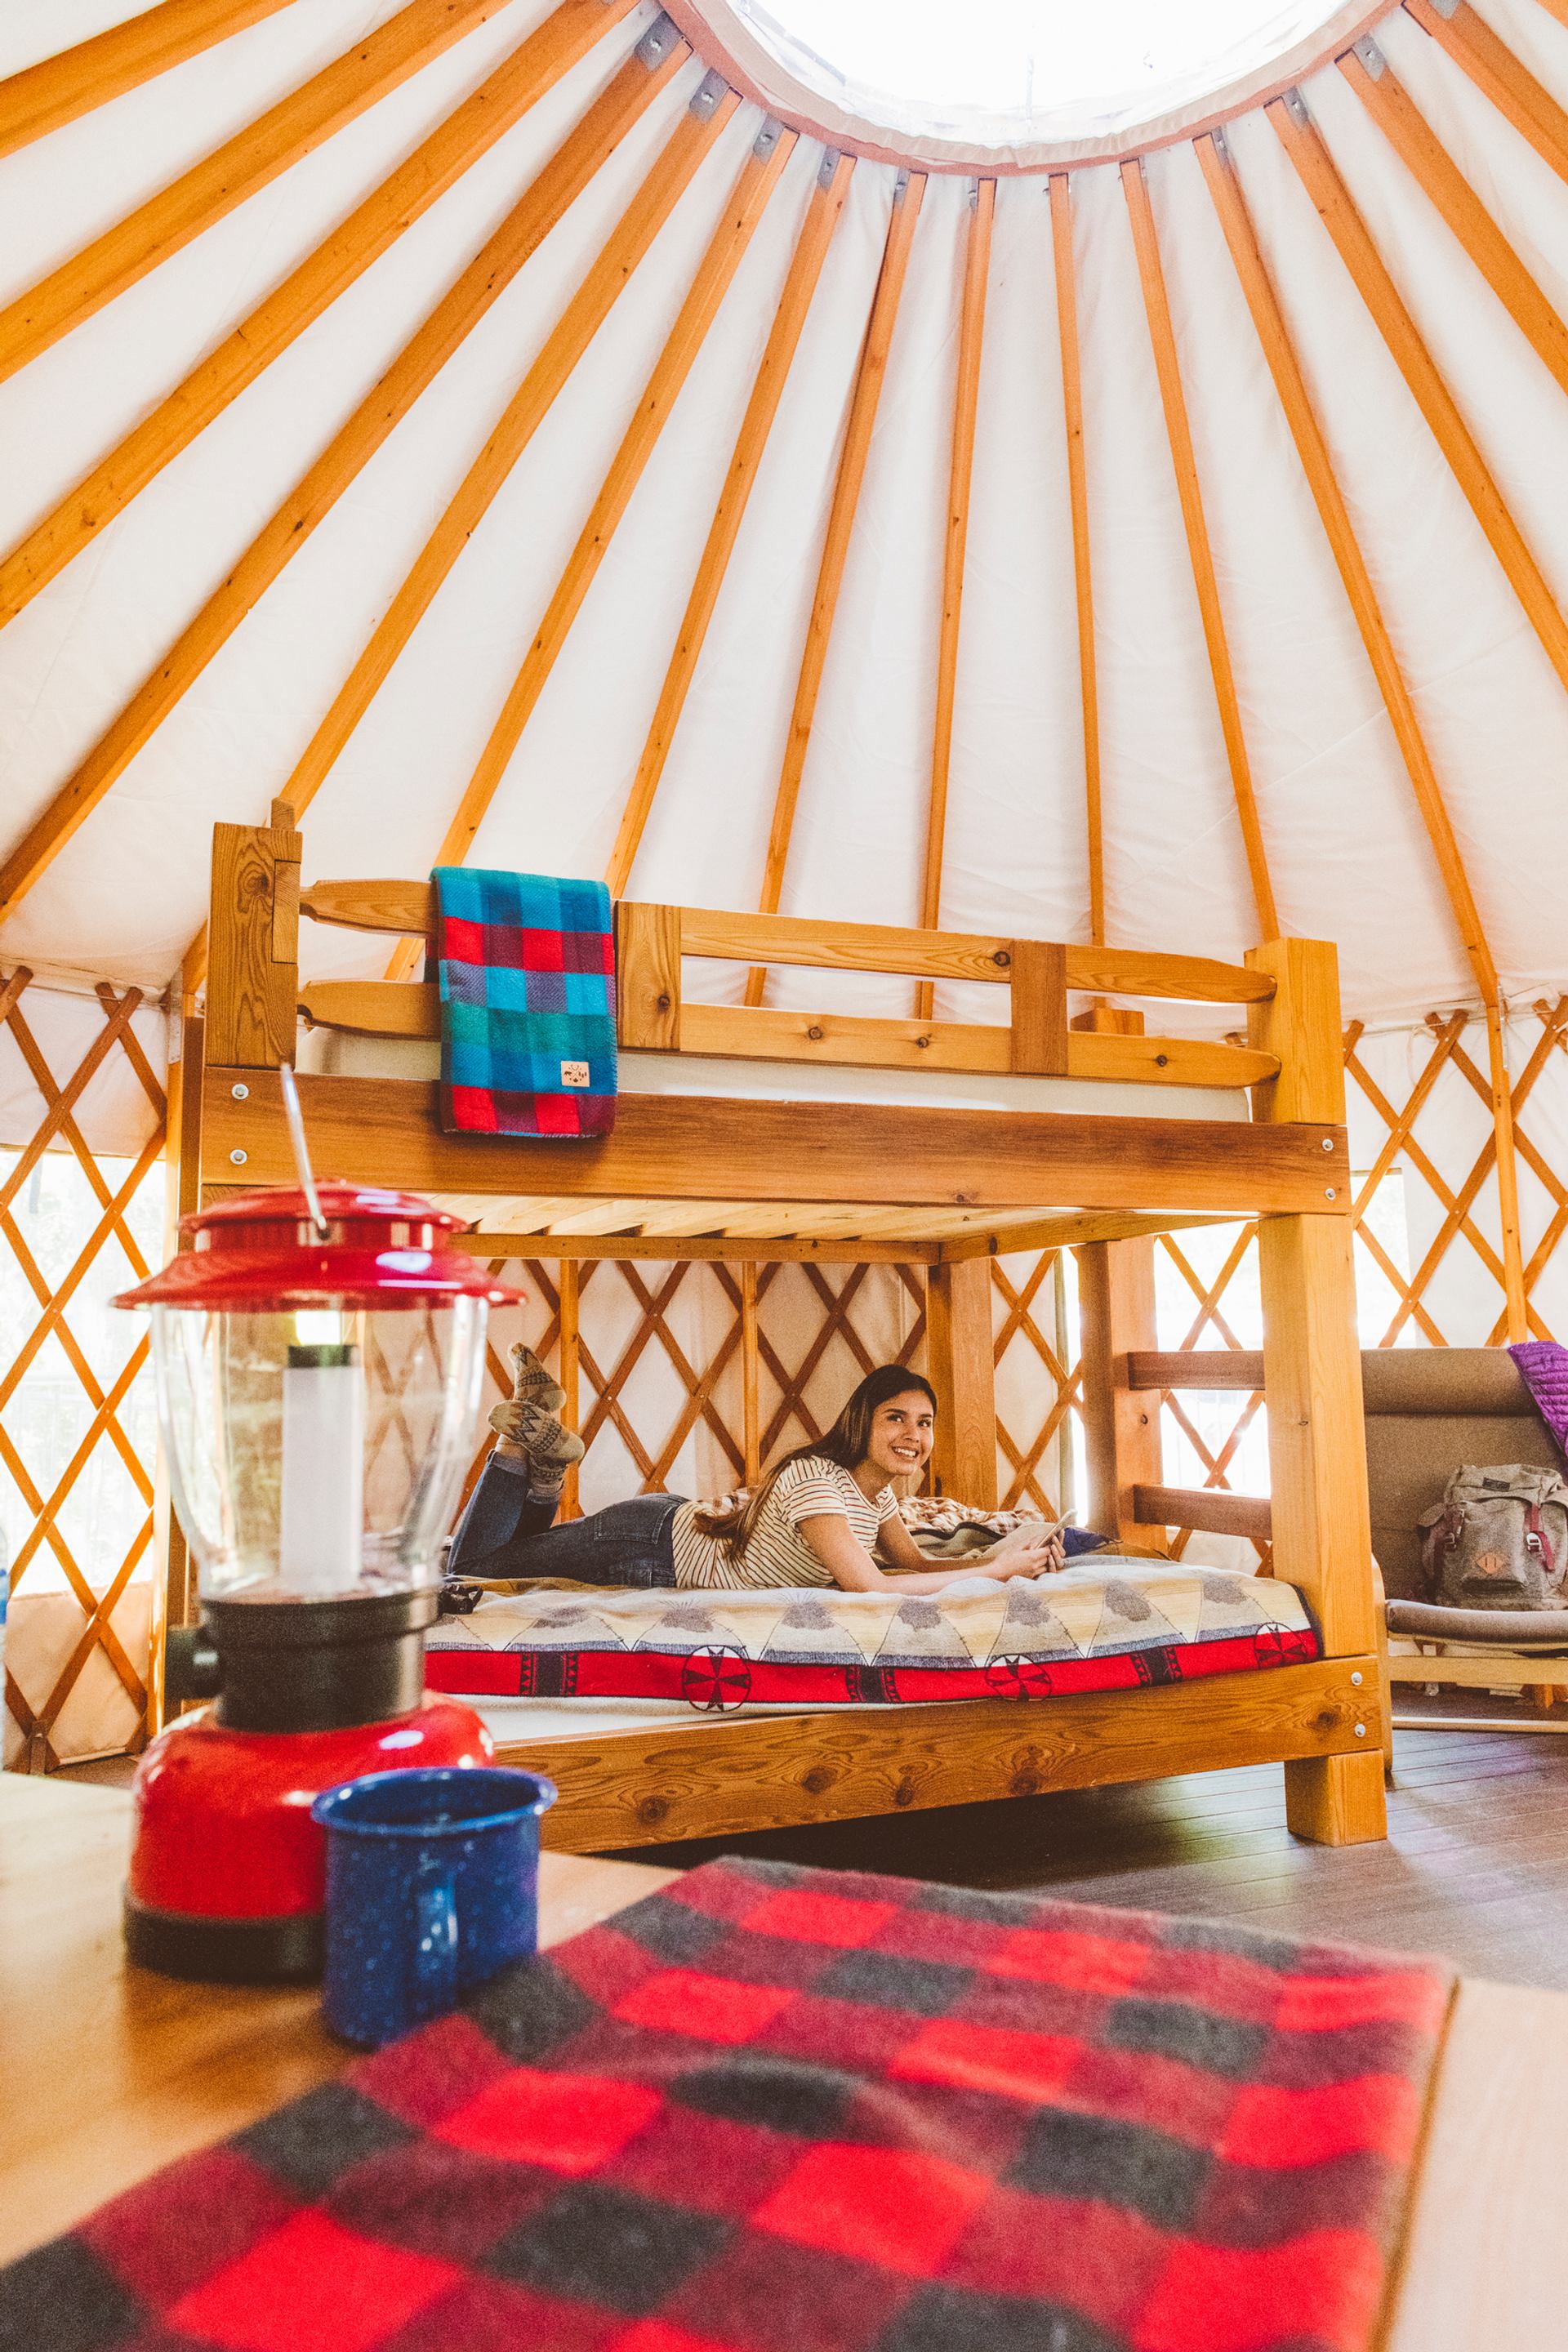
[[1014, 85]]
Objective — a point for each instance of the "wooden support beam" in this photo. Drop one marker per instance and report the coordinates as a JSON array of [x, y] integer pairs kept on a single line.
[[1312, 449], [1207, 1510], [1514, 1289], [1178, 432], [758, 178], [73, 82], [1040, 1044], [486, 278], [787, 1249], [1311, 1358], [624, 251], [1239, 1368], [869, 375], [1470, 41], [962, 1366], [956, 541], [1407, 131], [1067, 1229], [570, 1375], [250, 161], [648, 977], [1120, 1428], [751, 1367], [1321, 178], [822, 218], [1059, 188], [695, 1147], [255, 979], [437, 165]]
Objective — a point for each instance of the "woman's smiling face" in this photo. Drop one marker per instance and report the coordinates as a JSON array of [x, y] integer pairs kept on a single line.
[[901, 1435]]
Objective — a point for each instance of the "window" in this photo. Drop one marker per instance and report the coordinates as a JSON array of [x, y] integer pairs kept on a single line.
[[1000, 72]]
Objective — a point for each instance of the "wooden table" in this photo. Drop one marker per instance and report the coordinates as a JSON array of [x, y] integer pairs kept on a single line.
[[106, 2073]]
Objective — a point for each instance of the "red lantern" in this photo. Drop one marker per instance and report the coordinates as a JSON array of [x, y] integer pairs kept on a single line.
[[320, 1362]]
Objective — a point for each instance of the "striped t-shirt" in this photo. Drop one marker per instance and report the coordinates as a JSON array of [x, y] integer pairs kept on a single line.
[[776, 1551]]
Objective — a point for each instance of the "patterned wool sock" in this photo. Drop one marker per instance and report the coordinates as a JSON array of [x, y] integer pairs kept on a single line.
[[531, 1384], [549, 1447]]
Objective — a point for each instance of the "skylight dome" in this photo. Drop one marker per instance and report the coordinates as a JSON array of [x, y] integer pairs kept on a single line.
[[1014, 75]]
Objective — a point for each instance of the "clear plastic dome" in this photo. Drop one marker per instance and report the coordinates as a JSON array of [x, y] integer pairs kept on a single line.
[[317, 1452]]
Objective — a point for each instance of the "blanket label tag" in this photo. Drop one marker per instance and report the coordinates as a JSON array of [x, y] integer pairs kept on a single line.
[[574, 1074]]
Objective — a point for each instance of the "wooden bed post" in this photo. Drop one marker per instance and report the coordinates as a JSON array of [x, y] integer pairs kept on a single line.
[[961, 1360], [253, 955], [1121, 1425], [1312, 1361]]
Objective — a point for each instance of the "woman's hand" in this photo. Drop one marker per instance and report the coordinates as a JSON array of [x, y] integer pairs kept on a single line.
[[1024, 1559]]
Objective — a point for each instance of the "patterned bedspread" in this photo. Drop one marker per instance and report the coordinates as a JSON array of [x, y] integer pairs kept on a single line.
[[1111, 1624]]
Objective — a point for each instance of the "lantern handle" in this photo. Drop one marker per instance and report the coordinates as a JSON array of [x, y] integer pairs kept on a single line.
[[301, 1150]]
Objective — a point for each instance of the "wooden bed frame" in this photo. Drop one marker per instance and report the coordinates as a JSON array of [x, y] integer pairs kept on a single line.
[[933, 1185]]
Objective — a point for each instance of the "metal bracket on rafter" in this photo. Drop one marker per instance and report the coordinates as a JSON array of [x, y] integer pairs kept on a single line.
[[1220, 142], [1296, 107], [1443, 7], [900, 187], [831, 159], [974, 195], [657, 42], [709, 90], [1367, 51], [767, 137]]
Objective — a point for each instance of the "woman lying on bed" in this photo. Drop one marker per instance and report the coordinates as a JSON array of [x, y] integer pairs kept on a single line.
[[824, 1515]]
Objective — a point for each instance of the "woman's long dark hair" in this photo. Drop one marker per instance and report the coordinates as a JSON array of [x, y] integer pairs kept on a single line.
[[847, 1443]]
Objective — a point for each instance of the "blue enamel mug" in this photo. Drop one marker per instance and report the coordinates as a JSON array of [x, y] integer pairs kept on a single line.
[[432, 1885]]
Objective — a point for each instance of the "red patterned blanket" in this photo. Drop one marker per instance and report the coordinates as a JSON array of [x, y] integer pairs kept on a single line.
[[782, 2110]]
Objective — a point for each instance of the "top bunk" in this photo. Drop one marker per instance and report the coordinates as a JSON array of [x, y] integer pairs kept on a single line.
[[754, 1123]]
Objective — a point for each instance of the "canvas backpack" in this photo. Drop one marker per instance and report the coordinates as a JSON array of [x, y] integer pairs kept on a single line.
[[1498, 1538]]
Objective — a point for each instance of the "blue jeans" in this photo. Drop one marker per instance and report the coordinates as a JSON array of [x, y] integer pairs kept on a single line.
[[507, 1531]]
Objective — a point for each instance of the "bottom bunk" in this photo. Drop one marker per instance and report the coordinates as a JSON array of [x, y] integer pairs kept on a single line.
[[632, 1776], [669, 1715]]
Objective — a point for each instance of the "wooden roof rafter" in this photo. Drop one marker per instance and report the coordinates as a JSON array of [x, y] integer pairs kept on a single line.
[[76, 81], [1491, 65], [1178, 430], [289, 131], [1060, 192], [561, 41], [871, 371], [822, 215], [955, 542], [1371, 77], [1312, 449], [752, 191], [606, 278], [554, 187], [1320, 176]]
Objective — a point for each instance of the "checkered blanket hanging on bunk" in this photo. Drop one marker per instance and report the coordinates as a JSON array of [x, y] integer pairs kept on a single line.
[[526, 968], [785, 2110]]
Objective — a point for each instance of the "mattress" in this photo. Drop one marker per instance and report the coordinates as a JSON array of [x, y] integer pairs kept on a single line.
[[1111, 1623], [333, 1053]]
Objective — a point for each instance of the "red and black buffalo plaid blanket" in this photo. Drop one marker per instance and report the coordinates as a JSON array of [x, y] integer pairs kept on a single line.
[[782, 2110]]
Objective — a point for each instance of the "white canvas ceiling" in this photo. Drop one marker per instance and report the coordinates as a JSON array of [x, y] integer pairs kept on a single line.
[[1348, 854]]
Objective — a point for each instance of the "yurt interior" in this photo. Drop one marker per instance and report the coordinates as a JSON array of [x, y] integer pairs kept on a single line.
[[783, 1175]]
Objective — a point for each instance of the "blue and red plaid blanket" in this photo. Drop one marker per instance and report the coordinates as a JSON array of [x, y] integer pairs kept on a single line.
[[526, 966], [784, 2110]]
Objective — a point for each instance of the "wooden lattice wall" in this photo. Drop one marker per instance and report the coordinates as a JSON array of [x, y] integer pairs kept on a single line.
[[51, 1293], [691, 1374]]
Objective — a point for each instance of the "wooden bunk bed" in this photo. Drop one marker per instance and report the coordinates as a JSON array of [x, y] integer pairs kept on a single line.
[[697, 1167]]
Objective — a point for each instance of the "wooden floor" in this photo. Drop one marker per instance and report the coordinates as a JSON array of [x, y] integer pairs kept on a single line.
[[1476, 1866]]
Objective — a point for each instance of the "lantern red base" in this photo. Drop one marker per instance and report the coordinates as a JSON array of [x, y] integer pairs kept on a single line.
[[226, 1873]]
